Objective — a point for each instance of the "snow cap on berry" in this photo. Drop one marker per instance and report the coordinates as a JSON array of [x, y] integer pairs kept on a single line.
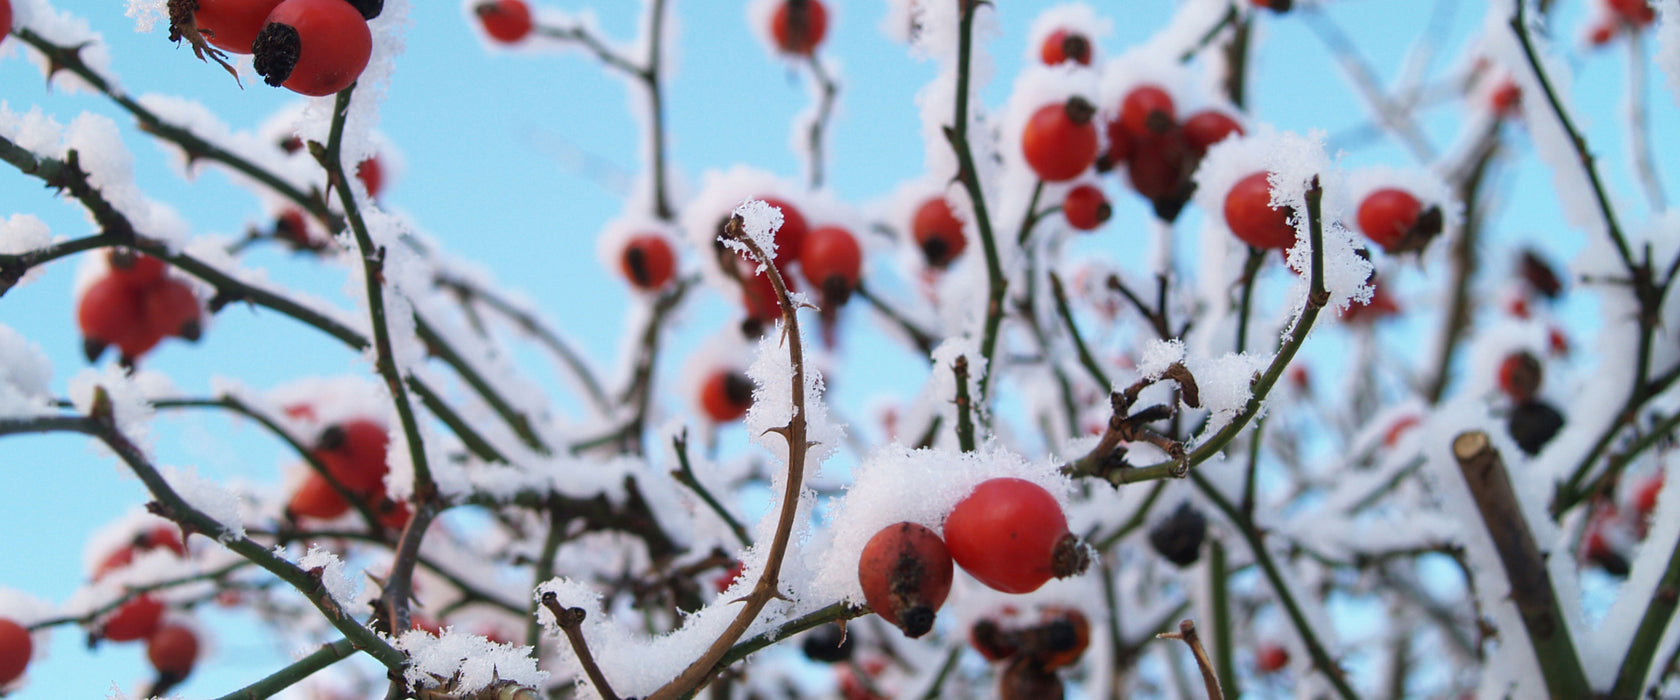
[[1075, 17], [897, 483]]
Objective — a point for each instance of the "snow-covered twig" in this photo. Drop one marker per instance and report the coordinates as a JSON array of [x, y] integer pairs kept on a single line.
[[1525, 567]]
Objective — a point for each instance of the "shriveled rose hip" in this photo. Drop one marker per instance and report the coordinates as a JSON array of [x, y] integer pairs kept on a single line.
[[905, 572]]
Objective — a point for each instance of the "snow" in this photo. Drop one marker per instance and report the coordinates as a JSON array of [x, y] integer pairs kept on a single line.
[[130, 409], [1668, 43], [23, 233], [211, 498], [64, 29], [760, 221], [899, 484], [146, 13], [1076, 17], [1225, 384], [25, 376], [466, 663], [1158, 355], [325, 565]]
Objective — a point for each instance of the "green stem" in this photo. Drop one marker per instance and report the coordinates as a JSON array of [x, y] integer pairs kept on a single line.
[[1286, 597], [957, 135], [305, 667]]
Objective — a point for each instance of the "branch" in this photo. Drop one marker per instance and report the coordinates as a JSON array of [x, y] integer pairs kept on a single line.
[[532, 325], [1317, 297], [1525, 567], [798, 447], [825, 109], [305, 667], [1519, 26], [1187, 633], [100, 424], [685, 475], [957, 135]]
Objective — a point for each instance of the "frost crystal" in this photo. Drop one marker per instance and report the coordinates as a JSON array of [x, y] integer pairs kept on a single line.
[[468, 662], [760, 221], [330, 569], [207, 497], [1159, 355]]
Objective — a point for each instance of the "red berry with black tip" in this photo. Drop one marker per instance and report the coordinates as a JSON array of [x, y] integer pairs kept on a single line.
[[1147, 112], [313, 47], [1060, 141], [1063, 46], [1387, 215], [113, 312], [726, 395], [938, 232], [1011, 535], [905, 572], [648, 261], [506, 21], [832, 261], [1086, 208], [354, 453], [798, 26]]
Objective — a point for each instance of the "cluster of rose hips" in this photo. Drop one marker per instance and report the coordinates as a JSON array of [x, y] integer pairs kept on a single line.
[[171, 647], [311, 47], [134, 306], [1159, 152], [1617, 17], [1032, 653], [353, 453], [1009, 534]]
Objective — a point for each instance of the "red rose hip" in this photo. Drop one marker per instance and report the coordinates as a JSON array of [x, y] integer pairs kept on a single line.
[[1060, 141], [313, 47], [1086, 208], [173, 650], [938, 232], [905, 572], [726, 396], [648, 261], [1063, 46], [1249, 214], [1010, 534], [799, 25], [15, 645], [832, 261], [506, 21]]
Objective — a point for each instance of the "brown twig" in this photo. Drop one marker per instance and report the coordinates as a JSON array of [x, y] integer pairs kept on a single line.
[[1187, 633], [570, 621], [1525, 567], [795, 433]]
